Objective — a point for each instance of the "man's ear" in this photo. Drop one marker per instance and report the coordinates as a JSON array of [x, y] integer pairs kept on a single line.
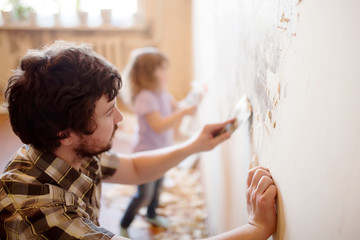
[[67, 137]]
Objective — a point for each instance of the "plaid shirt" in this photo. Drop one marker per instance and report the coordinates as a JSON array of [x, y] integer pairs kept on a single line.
[[43, 197]]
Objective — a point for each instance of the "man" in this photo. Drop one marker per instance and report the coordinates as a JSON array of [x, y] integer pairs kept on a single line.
[[62, 105]]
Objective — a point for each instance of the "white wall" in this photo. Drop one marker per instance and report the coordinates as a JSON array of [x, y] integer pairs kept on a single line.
[[298, 61]]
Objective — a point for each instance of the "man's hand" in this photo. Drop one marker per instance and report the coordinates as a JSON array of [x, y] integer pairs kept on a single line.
[[260, 195], [206, 139]]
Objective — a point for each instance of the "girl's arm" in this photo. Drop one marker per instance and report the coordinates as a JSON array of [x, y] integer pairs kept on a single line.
[[160, 124], [146, 104]]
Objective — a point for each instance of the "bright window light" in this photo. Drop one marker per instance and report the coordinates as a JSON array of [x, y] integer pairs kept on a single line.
[[122, 10]]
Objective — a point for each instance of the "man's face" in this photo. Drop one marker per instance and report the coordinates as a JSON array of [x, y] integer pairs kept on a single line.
[[106, 116]]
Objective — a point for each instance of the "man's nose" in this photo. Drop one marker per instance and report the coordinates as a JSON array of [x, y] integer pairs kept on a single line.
[[118, 116]]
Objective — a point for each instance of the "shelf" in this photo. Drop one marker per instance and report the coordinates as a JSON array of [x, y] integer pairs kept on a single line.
[[101, 28]]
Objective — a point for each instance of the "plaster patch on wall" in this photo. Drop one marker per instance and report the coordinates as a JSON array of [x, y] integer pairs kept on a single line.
[[284, 19], [265, 46]]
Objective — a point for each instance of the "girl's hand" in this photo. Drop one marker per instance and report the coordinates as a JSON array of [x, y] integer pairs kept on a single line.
[[189, 110]]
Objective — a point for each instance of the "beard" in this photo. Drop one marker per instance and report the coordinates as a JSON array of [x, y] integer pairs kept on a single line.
[[86, 150]]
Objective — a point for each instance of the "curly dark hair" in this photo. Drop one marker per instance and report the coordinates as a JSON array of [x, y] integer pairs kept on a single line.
[[55, 89]]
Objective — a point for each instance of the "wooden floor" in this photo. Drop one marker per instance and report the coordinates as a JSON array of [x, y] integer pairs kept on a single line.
[[114, 195]]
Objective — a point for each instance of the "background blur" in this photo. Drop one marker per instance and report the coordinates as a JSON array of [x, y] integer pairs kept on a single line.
[[114, 28], [296, 60]]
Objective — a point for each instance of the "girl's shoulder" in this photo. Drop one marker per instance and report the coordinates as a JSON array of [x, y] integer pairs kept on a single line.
[[145, 94], [148, 95], [146, 101]]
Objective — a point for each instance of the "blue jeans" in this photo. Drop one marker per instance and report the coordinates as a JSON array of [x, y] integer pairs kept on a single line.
[[147, 194]]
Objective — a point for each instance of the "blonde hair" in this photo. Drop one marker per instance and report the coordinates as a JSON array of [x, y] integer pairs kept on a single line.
[[139, 72]]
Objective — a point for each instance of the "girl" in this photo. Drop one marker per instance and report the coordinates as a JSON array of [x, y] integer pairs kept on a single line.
[[157, 115]]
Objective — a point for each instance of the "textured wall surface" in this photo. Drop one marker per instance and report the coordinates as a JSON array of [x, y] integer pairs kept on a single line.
[[298, 63]]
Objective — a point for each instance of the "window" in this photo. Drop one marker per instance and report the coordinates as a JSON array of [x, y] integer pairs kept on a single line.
[[68, 13]]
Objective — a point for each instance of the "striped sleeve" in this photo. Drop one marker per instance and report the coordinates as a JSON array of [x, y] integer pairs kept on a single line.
[[109, 164]]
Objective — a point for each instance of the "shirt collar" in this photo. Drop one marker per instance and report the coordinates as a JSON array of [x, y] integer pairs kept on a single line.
[[64, 174]]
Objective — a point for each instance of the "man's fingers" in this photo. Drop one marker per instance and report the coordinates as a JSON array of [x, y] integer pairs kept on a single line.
[[252, 172], [263, 184], [257, 176], [213, 128], [270, 192], [221, 138]]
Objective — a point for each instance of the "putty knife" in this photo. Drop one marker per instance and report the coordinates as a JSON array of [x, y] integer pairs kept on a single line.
[[241, 113]]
